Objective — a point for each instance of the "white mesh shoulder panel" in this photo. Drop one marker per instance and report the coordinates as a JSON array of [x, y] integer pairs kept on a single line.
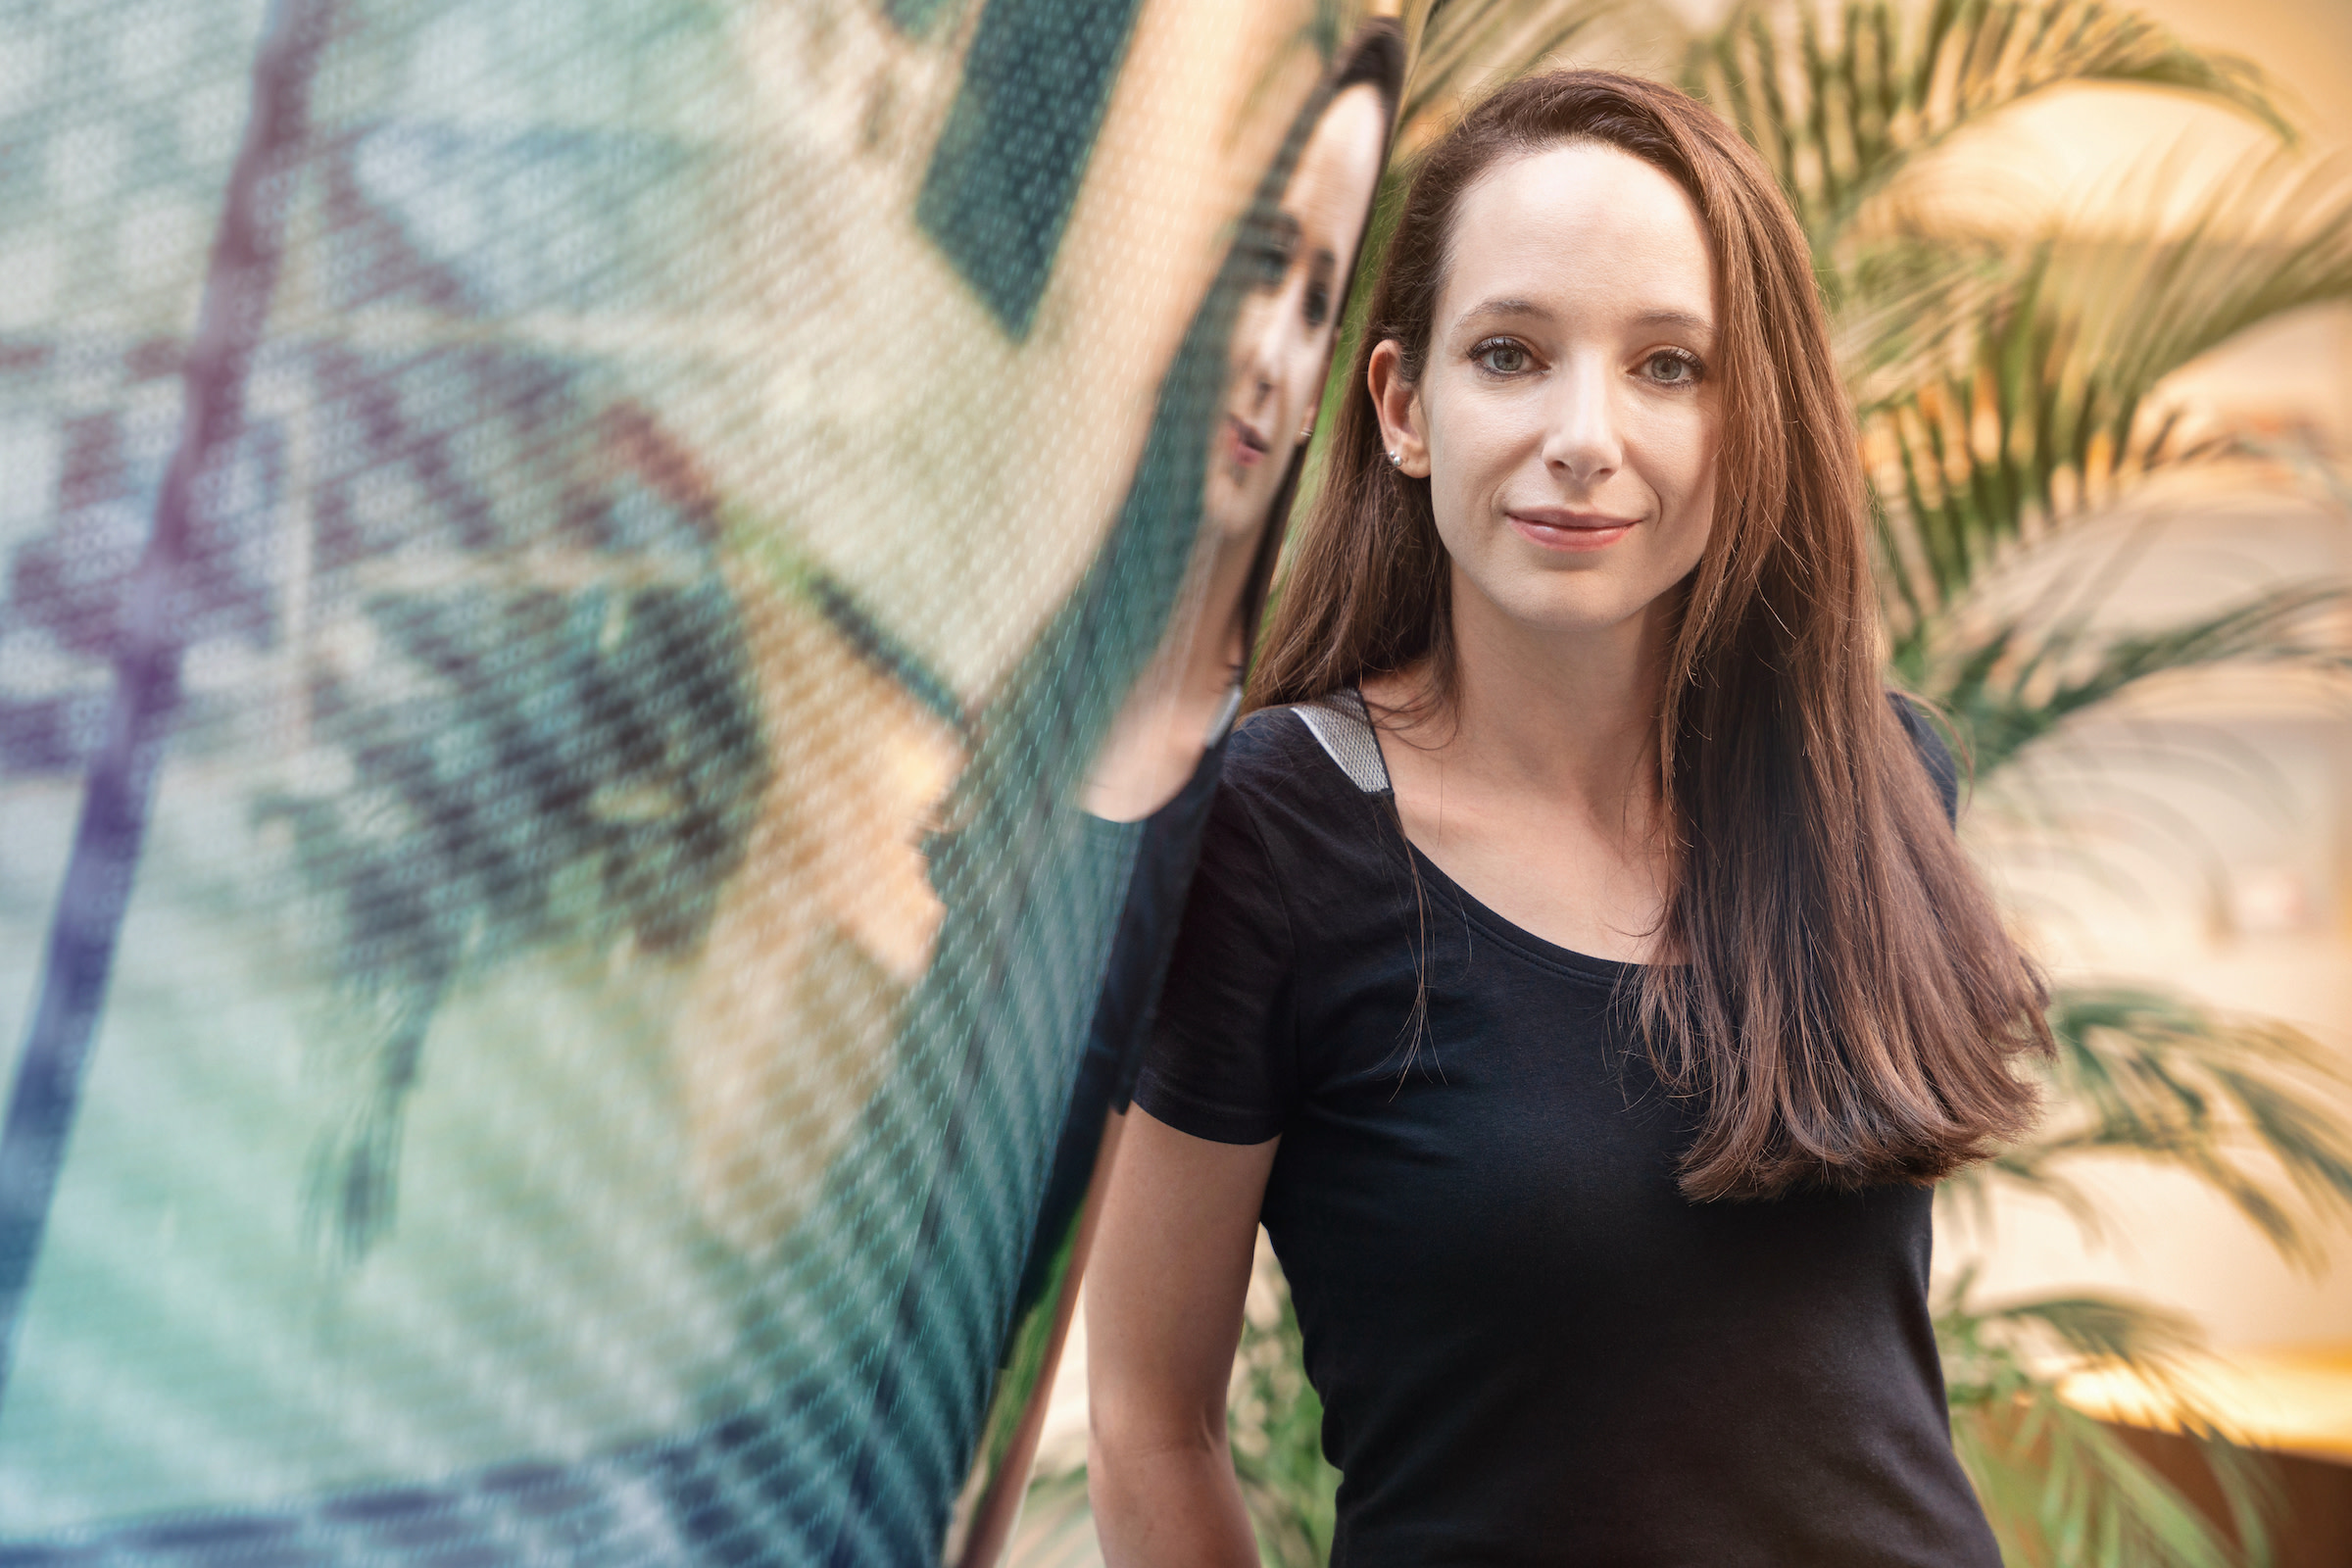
[[1344, 730]]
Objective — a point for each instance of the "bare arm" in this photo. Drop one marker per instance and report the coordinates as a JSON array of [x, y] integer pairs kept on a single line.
[[1164, 1314]]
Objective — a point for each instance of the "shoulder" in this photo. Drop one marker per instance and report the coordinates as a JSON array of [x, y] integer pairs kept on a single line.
[[1285, 788], [1278, 757], [1270, 735]]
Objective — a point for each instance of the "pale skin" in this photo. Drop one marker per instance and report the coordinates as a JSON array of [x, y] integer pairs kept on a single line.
[[1566, 419]]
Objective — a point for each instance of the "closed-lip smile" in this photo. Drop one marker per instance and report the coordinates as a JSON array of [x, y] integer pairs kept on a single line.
[[1559, 528]]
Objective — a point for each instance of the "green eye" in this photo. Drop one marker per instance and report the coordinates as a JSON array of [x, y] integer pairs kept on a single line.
[[1671, 369], [1501, 357]]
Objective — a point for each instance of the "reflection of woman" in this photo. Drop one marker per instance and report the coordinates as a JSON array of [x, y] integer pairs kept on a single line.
[[1581, 978], [784, 1036], [1159, 764], [1299, 258], [1164, 746]]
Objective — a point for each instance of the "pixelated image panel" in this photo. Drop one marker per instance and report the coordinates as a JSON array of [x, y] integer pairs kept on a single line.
[[575, 575]]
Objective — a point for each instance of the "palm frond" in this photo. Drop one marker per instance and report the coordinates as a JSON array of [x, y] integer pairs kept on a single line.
[[2036, 404], [1458, 47], [1839, 101], [1898, 300], [2019, 679], [2061, 1490], [2252, 1110]]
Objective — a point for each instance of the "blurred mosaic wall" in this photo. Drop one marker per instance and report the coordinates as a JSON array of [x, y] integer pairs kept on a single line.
[[561, 564]]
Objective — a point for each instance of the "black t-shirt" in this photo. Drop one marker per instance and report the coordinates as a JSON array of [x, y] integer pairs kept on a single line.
[[1530, 1348]]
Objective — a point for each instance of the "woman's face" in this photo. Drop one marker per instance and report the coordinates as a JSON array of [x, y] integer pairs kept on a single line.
[[1282, 334], [1567, 415]]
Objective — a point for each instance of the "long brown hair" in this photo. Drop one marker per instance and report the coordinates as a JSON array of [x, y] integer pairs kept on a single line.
[[1846, 1003]]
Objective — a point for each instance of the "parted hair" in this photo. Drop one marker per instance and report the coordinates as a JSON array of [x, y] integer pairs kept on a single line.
[[1844, 1007]]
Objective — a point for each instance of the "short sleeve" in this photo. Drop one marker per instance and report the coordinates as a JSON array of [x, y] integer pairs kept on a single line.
[[1221, 1062], [1934, 754]]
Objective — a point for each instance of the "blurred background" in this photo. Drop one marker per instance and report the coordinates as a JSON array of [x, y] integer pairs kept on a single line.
[[600, 972], [2093, 269]]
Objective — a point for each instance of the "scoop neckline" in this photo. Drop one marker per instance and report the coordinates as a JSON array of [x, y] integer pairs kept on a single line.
[[1511, 932], [1507, 931]]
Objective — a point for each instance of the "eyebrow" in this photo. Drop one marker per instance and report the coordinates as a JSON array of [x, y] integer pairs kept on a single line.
[[1696, 323], [1514, 306], [1502, 308]]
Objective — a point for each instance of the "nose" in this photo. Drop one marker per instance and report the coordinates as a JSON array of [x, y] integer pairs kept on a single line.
[[1582, 443], [1258, 354]]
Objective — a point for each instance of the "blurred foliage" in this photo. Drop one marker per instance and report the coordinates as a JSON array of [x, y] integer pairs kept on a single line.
[[2029, 408], [1843, 100], [2063, 1489], [1275, 1423], [2246, 1106], [2009, 388], [2253, 1111]]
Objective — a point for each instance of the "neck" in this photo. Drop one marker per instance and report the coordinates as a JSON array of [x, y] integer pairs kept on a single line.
[[1572, 713], [1156, 740], [1216, 651]]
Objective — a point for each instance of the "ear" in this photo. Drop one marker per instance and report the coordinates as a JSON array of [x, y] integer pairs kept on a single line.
[[1399, 405]]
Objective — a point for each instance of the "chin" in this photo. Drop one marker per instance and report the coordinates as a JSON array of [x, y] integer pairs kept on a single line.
[[1229, 508], [1586, 607]]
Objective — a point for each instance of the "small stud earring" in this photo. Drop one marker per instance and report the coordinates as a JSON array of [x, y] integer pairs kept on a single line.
[[1306, 435], [1395, 460]]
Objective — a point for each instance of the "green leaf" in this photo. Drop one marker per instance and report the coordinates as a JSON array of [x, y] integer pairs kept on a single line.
[[1840, 101], [2253, 1110], [2061, 1489], [2016, 680], [2030, 403]]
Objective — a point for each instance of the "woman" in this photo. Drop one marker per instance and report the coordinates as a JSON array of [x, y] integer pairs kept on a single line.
[[1581, 978]]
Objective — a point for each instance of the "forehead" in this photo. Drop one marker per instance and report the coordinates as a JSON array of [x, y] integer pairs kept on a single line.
[[1583, 227], [1331, 184]]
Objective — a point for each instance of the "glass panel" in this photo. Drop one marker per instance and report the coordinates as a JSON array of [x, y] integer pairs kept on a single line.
[[584, 683]]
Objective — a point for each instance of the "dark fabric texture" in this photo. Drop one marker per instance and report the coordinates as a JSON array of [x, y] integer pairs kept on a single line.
[[1161, 850], [1530, 1346]]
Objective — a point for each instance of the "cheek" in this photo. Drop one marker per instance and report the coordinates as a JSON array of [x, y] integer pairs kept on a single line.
[[1695, 527], [1678, 460], [1475, 445], [1310, 357]]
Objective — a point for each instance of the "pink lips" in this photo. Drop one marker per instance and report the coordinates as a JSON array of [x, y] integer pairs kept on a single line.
[[1247, 445], [1557, 528]]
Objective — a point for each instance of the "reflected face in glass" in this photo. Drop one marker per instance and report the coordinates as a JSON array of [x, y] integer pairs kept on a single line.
[[1276, 358], [1283, 331]]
